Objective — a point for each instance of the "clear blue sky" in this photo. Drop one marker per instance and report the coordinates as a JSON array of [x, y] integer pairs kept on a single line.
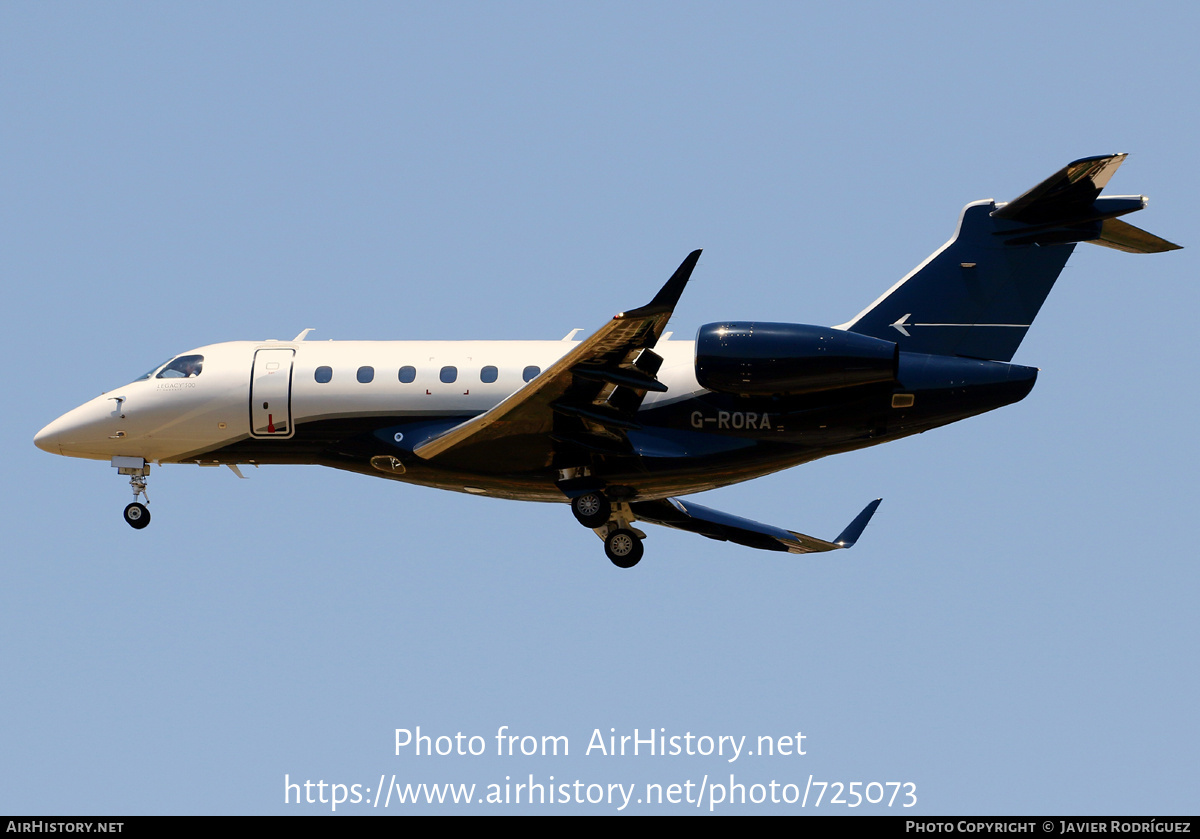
[[1015, 632]]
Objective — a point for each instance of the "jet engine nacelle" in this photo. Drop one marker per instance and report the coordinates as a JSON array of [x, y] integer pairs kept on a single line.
[[788, 359]]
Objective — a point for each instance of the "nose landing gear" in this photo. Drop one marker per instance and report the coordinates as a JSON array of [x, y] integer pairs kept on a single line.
[[136, 514]]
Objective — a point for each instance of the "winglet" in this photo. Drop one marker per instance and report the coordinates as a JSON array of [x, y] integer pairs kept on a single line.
[[672, 290], [850, 535]]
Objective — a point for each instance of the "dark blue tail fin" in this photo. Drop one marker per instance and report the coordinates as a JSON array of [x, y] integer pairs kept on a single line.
[[978, 294]]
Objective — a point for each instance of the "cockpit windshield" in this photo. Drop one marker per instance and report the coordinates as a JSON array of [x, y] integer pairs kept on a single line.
[[148, 373], [184, 367]]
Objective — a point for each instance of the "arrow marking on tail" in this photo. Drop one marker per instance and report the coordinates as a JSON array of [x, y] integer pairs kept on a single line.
[[902, 325]]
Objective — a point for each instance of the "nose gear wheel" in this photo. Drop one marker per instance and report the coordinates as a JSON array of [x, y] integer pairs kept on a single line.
[[137, 515]]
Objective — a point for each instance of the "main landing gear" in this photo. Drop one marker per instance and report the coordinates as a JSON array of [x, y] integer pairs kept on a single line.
[[138, 470], [624, 547], [591, 510], [613, 522]]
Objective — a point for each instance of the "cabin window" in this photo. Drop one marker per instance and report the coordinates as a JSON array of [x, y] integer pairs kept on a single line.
[[530, 372], [323, 374], [449, 374], [184, 367], [488, 374], [366, 374], [407, 373]]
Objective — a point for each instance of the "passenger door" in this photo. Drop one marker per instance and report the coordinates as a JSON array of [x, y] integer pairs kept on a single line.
[[271, 393]]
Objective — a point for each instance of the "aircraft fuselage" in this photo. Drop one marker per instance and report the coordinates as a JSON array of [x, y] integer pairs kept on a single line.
[[344, 403]]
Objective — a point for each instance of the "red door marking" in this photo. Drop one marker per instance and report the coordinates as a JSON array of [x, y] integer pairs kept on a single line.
[[270, 424]]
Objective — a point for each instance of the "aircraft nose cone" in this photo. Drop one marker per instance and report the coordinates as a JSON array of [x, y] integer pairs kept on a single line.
[[81, 432], [48, 438]]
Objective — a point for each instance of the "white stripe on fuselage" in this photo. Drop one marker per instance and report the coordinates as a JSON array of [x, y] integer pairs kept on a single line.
[[385, 395]]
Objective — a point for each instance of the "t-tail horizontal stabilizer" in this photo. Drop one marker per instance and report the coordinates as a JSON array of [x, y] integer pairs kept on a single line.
[[671, 512], [1068, 207]]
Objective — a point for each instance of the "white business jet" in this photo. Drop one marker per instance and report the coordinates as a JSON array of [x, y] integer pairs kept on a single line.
[[620, 423]]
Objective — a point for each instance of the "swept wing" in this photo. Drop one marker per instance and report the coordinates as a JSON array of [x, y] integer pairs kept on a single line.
[[694, 518], [588, 398]]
